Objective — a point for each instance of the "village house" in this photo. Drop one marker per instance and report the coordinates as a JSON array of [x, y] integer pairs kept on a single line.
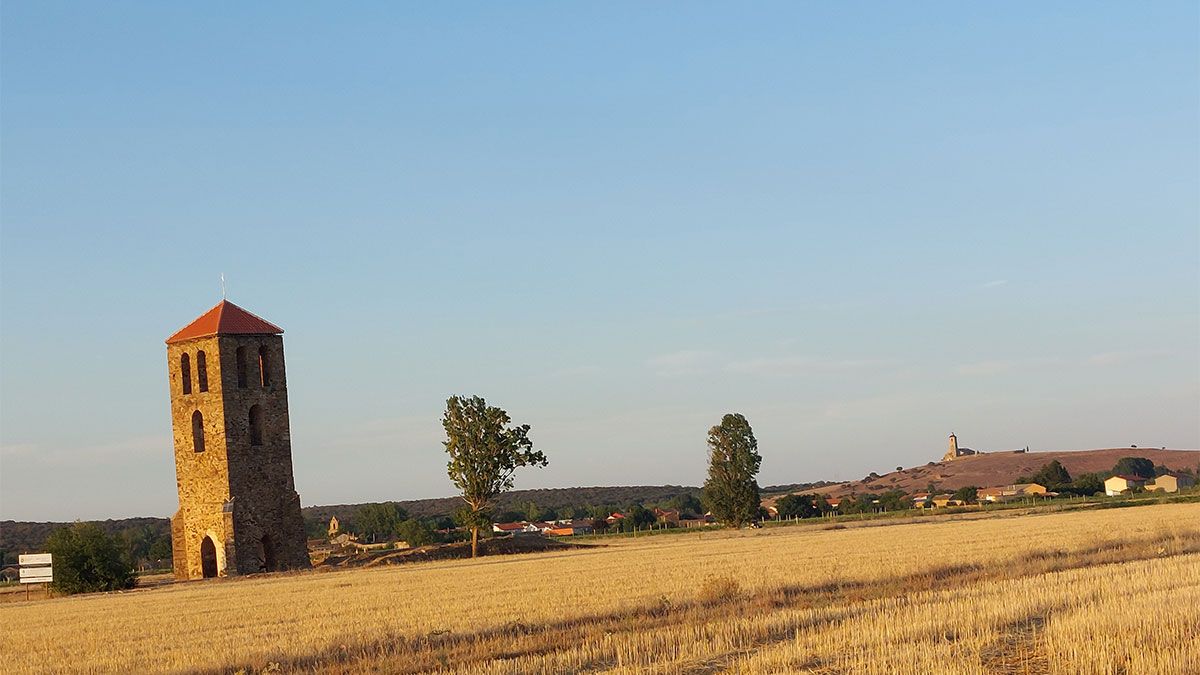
[[557, 528], [942, 501], [1008, 493], [522, 527], [706, 519], [1119, 484], [614, 517], [569, 528], [667, 516], [1170, 482]]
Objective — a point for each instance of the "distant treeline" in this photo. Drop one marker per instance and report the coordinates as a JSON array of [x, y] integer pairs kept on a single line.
[[147, 541], [795, 487], [146, 537]]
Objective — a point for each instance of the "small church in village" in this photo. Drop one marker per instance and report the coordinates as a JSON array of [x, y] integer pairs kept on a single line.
[[239, 512]]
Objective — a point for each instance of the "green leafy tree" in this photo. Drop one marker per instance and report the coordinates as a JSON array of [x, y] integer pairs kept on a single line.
[[1134, 466], [731, 491], [316, 528], [797, 506], [161, 551], [415, 532], [858, 504], [968, 494], [1052, 475], [86, 560], [485, 452], [475, 521], [532, 512], [686, 504], [640, 516], [509, 517], [894, 500], [136, 542], [1087, 484], [378, 522]]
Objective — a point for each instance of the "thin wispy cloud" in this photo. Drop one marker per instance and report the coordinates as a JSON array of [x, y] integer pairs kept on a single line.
[[683, 362], [995, 284], [138, 447], [578, 371], [18, 449], [1117, 358], [803, 365], [986, 368]]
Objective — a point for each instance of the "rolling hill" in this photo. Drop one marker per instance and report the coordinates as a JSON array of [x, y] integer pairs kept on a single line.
[[1002, 468]]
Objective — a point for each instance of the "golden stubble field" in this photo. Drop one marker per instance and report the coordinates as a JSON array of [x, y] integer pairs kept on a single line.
[[1109, 591]]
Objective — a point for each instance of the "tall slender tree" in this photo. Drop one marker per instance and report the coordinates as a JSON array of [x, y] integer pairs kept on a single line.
[[731, 491], [484, 452]]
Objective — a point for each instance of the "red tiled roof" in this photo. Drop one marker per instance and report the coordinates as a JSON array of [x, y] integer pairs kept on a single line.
[[225, 319]]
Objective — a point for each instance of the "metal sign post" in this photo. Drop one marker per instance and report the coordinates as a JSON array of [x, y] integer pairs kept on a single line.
[[36, 568]]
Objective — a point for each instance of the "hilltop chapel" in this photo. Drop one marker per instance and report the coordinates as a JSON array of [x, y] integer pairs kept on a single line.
[[239, 512]]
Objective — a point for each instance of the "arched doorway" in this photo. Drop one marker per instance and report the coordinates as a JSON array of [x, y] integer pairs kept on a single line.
[[208, 558], [268, 554]]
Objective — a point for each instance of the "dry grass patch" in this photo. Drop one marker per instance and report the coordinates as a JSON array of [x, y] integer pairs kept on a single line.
[[1004, 595]]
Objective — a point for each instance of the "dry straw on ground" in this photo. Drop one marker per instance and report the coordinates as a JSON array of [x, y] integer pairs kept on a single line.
[[1096, 592]]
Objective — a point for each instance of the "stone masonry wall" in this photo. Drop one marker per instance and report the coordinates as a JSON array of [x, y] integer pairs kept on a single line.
[[202, 478], [265, 505], [239, 494]]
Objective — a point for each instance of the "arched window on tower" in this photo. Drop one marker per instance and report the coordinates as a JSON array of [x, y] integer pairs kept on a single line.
[[264, 371], [241, 367], [201, 371], [255, 425], [197, 432], [185, 372]]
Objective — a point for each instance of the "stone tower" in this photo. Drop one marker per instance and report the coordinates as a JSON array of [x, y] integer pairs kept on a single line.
[[954, 452], [239, 511]]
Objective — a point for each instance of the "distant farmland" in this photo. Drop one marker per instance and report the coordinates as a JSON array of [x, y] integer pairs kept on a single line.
[[1114, 590]]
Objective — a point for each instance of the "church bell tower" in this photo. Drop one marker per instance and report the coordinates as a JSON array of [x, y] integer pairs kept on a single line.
[[239, 512]]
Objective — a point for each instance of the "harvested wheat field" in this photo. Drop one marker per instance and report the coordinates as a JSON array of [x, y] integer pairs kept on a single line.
[[1111, 591]]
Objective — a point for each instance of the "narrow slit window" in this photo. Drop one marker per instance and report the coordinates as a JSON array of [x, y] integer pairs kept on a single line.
[[241, 367], [201, 371], [255, 425], [197, 432], [264, 370], [185, 372]]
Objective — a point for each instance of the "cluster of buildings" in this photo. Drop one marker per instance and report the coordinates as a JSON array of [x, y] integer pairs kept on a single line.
[[566, 528], [550, 528], [994, 495], [1168, 482], [1113, 486]]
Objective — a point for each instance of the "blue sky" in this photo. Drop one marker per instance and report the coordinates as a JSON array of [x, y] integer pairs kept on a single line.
[[863, 226]]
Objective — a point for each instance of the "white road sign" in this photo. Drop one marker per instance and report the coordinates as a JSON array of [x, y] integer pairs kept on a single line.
[[37, 575], [34, 559], [36, 568]]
